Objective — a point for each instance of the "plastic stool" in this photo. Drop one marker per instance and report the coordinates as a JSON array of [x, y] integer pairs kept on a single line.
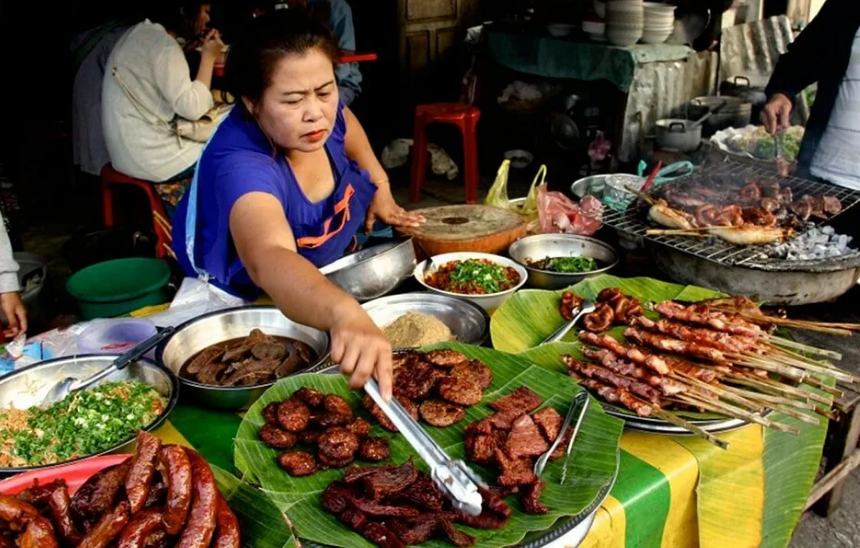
[[465, 117], [109, 177]]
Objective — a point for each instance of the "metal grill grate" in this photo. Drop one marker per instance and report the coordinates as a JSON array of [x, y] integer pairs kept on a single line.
[[713, 249]]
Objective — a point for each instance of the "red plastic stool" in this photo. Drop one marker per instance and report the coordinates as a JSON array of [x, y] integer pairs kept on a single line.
[[464, 117], [109, 177]]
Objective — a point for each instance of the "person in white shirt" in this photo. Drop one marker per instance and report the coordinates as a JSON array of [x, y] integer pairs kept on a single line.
[[147, 84]]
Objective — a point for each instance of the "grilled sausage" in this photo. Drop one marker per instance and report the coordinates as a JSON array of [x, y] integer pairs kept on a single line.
[[108, 528], [139, 479], [61, 513], [227, 531], [16, 512], [178, 470], [141, 526], [201, 522], [38, 534]]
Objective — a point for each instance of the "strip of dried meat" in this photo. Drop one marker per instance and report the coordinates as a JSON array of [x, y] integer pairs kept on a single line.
[[455, 536], [382, 481], [525, 440], [530, 498], [423, 493], [492, 502], [417, 530], [354, 519], [379, 534], [335, 498], [549, 421], [514, 471], [481, 448], [522, 399], [375, 509]]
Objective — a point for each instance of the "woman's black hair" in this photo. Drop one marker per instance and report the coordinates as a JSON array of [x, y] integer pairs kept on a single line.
[[177, 16], [253, 58]]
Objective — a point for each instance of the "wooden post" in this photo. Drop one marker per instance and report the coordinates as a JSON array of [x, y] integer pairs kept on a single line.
[[843, 437]]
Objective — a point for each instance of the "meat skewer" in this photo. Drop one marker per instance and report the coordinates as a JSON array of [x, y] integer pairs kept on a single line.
[[716, 339], [591, 371], [635, 355], [702, 315], [675, 346]]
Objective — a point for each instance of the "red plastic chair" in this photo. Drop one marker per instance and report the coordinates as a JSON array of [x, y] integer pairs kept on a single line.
[[464, 117], [160, 224]]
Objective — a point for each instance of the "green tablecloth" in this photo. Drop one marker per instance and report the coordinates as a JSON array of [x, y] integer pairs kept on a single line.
[[543, 55]]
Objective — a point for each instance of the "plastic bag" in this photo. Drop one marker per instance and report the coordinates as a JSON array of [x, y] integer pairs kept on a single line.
[[529, 207], [498, 194]]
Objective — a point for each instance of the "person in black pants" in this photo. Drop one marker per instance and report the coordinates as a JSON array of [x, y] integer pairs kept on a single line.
[[827, 52]]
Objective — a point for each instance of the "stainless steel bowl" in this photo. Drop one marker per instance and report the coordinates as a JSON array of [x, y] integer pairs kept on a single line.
[[373, 272], [542, 246], [224, 325], [466, 320], [27, 387]]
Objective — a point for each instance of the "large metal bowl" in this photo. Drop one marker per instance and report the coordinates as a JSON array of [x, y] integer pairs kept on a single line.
[[224, 325], [27, 387], [467, 321], [373, 272], [542, 246]]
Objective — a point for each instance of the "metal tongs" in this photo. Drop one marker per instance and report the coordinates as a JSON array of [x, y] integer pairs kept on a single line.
[[580, 401], [453, 477], [587, 307]]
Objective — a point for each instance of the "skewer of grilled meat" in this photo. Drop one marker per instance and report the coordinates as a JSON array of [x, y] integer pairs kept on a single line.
[[592, 371], [703, 315], [608, 360], [708, 337], [674, 346], [635, 355], [616, 395]]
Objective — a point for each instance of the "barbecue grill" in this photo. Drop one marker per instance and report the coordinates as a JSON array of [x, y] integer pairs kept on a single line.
[[746, 270]]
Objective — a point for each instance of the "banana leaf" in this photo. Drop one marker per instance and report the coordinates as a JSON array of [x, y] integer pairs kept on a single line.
[[590, 473], [529, 317], [262, 524]]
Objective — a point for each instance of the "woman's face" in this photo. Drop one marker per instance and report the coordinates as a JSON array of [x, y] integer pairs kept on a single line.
[[298, 109], [201, 22]]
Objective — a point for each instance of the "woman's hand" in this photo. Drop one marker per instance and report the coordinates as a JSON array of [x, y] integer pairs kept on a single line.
[[212, 44], [384, 208], [776, 114], [361, 349], [16, 314]]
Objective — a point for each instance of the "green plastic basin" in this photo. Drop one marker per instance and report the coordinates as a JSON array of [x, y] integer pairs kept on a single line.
[[114, 288]]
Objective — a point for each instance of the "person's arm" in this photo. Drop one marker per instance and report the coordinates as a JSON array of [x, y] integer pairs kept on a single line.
[[190, 100], [358, 148], [10, 300], [267, 248]]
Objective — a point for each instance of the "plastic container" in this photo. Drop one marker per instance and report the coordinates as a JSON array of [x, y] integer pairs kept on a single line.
[[114, 336], [114, 288]]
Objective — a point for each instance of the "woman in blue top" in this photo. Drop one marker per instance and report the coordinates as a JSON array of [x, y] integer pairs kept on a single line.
[[284, 185]]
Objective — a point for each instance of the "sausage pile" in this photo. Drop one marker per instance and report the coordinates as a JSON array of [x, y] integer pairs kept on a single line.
[[165, 496], [323, 423], [396, 506], [436, 386], [512, 438]]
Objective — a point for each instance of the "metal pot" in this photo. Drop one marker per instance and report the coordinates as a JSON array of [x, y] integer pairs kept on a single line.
[[678, 134], [737, 112], [224, 325], [561, 245], [741, 86]]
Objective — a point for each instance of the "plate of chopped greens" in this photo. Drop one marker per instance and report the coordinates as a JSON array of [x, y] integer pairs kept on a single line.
[[485, 279], [90, 422]]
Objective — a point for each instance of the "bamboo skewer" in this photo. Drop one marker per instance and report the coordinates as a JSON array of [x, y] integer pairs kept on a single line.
[[678, 421], [720, 391], [835, 328], [788, 343], [778, 386], [796, 364], [770, 399]]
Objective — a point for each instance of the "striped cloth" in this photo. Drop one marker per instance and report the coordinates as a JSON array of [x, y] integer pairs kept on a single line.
[[837, 158]]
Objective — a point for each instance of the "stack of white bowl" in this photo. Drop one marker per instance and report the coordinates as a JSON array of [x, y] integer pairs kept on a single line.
[[659, 22], [625, 21]]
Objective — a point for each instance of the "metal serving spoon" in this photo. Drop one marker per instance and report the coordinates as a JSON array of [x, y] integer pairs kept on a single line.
[[586, 308], [71, 384]]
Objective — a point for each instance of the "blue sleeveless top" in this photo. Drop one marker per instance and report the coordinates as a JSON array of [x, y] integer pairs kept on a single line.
[[239, 159]]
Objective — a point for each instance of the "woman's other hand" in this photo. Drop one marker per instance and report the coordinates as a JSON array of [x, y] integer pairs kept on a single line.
[[362, 350], [776, 114], [16, 314], [212, 44], [384, 208]]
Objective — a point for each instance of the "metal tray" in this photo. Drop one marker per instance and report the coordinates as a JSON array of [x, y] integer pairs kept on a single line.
[[28, 386], [573, 529]]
